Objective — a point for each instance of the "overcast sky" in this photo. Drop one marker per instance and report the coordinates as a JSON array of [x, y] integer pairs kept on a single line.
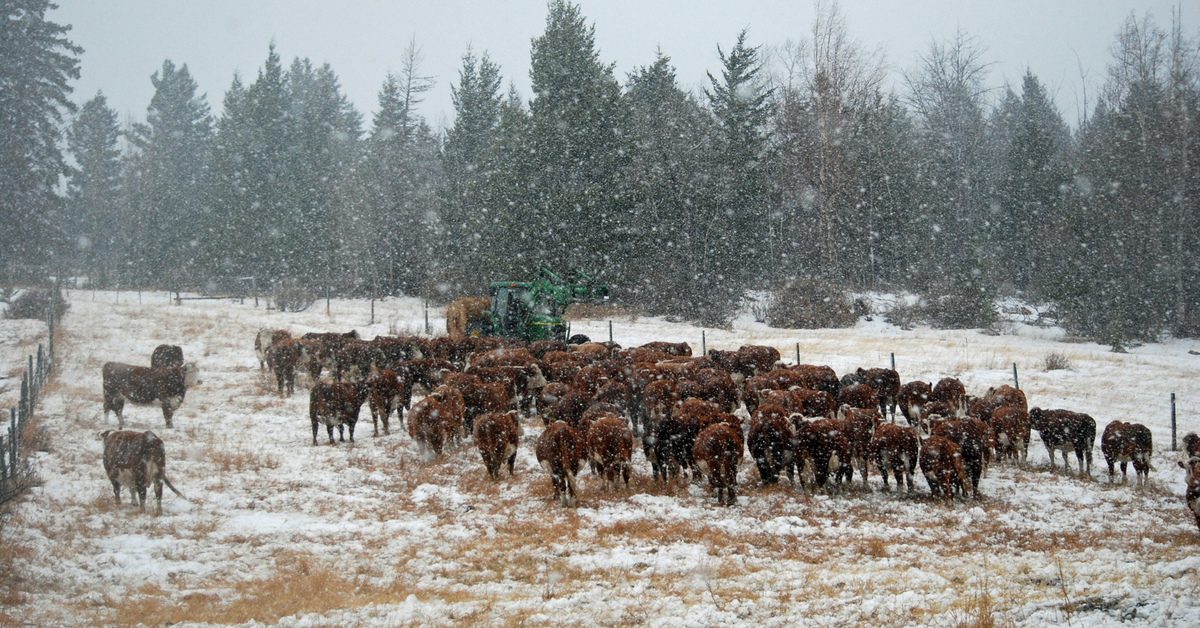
[[125, 41]]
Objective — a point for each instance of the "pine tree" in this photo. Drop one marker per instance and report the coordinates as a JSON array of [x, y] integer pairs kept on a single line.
[[93, 191], [168, 173], [740, 102], [37, 62]]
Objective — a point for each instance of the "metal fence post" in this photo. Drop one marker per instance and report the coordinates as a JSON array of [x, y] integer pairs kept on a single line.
[[1016, 384], [1173, 422]]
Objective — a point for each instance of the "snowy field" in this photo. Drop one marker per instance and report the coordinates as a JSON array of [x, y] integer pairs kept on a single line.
[[276, 531]]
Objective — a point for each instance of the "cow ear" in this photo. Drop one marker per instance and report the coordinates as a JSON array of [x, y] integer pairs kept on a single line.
[[102, 435]]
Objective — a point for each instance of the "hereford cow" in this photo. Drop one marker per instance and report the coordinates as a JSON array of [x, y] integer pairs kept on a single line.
[[913, 396], [264, 339], [770, 441], [895, 449], [1191, 445], [858, 396], [681, 349], [815, 377], [166, 355], [1191, 496], [496, 435], [942, 465], [951, 391], [886, 384], [559, 451], [970, 434], [860, 424], [385, 394], [1011, 426], [335, 404], [717, 452], [821, 448], [144, 386], [1124, 443], [610, 447], [746, 362], [134, 460], [1063, 430], [430, 426], [1004, 396], [550, 395], [282, 357]]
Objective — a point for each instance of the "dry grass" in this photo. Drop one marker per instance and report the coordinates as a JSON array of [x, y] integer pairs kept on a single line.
[[594, 312], [1055, 361]]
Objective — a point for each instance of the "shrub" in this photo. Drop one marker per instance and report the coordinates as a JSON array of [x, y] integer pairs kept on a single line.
[[1055, 361], [289, 296], [813, 304]]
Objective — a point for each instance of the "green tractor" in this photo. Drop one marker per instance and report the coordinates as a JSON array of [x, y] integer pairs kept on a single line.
[[533, 310]]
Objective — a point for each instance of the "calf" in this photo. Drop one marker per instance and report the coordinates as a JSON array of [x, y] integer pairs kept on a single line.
[[166, 355], [559, 451], [144, 386], [134, 460], [1127, 442], [335, 404], [896, 449], [717, 452], [549, 395], [496, 435], [1063, 430], [942, 465], [770, 441], [385, 392], [1191, 495], [610, 447]]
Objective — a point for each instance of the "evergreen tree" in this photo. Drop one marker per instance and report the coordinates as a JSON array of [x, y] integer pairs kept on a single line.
[[90, 221], [740, 102], [477, 103], [168, 172], [37, 62]]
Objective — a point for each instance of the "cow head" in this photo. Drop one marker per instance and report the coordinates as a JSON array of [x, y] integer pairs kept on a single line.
[[191, 375]]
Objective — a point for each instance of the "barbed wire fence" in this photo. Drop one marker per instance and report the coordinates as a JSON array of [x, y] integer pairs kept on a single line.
[[16, 475]]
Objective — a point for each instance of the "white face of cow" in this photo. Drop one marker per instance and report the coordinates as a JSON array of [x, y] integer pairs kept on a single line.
[[537, 380], [191, 375]]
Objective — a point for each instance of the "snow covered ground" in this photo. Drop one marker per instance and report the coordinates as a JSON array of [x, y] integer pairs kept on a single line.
[[276, 531]]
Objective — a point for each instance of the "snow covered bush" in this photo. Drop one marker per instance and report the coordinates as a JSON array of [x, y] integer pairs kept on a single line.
[[813, 304]]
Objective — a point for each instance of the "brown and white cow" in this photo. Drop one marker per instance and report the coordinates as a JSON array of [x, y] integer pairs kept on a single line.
[[1012, 428], [913, 396], [860, 424], [858, 396], [951, 391], [166, 355], [895, 449], [1124, 443], [610, 448], [886, 384], [559, 451], [821, 448], [1064, 430], [385, 394], [135, 460], [141, 385], [496, 435], [1191, 495], [970, 434], [283, 356], [264, 339], [430, 426], [746, 362], [717, 452], [770, 440], [335, 404], [1191, 445], [942, 465]]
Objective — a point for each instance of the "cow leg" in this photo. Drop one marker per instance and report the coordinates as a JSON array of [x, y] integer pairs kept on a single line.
[[167, 412], [350, 428], [117, 490], [158, 486], [329, 428], [316, 428], [141, 495]]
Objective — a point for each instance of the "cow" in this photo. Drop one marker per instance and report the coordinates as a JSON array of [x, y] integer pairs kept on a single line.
[[821, 448], [559, 451], [1127, 442], [718, 451], [970, 434], [428, 372], [1191, 445], [456, 411], [770, 440], [282, 357], [549, 395], [1002, 397], [166, 355], [1064, 430], [896, 449], [912, 397], [352, 359], [141, 385], [858, 396], [385, 392], [681, 349], [134, 460], [335, 404], [746, 362], [1191, 495], [430, 426], [539, 348], [886, 384], [264, 339], [496, 435], [952, 392], [860, 424], [942, 465], [1011, 426], [610, 448], [815, 377], [814, 403], [569, 408]]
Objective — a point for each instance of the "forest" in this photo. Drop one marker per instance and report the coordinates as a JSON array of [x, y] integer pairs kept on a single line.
[[797, 172]]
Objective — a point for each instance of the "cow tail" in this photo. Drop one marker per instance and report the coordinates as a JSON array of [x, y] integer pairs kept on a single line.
[[172, 487]]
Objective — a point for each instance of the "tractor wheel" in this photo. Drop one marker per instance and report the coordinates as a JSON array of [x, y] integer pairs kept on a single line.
[[578, 339], [478, 327]]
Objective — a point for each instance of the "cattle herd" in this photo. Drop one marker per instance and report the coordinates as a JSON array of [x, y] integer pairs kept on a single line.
[[597, 401]]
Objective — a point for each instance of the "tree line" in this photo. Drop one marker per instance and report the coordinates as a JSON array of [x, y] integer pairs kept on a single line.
[[794, 162]]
